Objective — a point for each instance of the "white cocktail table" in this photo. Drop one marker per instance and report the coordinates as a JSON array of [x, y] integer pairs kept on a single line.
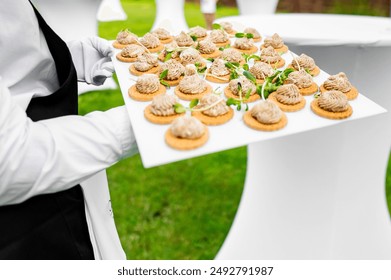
[[320, 194]]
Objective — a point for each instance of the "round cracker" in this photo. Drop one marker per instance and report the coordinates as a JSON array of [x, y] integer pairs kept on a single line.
[[253, 49], [135, 72], [118, 45], [223, 80], [253, 123], [257, 40], [201, 38], [136, 95], [173, 83], [159, 119], [330, 115], [157, 49], [185, 144], [214, 54], [167, 40], [287, 107], [209, 120], [309, 90], [223, 44], [229, 94], [283, 49], [315, 72], [351, 94], [278, 64], [125, 59], [189, 96]]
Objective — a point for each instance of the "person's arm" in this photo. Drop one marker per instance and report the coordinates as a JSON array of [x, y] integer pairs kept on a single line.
[[53, 155]]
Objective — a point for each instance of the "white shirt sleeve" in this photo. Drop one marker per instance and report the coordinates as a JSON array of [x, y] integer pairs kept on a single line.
[[53, 155]]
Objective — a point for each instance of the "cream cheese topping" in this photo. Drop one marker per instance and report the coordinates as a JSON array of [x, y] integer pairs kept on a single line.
[[275, 41], [198, 31], [163, 105], [269, 55], [184, 40], [300, 78], [246, 85], [162, 33], [244, 43], [187, 127], [192, 84], [150, 41], [303, 61], [126, 37], [175, 69], [190, 56], [227, 26], [146, 62], [147, 83], [132, 51], [219, 36], [338, 82], [288, 94], [173, 48], [253, 31], [190, 69], [266, 112], [218, 68], [261, 70], [218, 109], [333, 101], [207, 46], [232, 55]]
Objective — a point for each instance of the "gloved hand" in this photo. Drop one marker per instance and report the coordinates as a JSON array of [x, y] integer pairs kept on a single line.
[[91, 57]]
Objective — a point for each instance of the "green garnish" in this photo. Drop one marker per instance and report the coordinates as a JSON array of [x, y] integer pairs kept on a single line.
[[162, 76], [242, 35]]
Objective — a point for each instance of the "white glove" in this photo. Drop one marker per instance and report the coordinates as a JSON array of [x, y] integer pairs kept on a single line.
[[91, 57]]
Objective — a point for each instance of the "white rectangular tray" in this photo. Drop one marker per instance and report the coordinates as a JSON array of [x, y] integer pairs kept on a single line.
[[150, 137]]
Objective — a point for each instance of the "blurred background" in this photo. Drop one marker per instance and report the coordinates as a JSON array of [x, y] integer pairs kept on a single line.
[[184, 210]]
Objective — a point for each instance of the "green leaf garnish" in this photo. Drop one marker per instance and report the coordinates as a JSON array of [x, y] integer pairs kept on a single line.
[[210, 59], [164, 83], [247, 96], [216, 26], [240, 35], [246, 67], [201, 70], [193, 103], [250, 76], [179, 108], [249, 35], [163, 75], [233, 75], [194, 38], [168, 56]]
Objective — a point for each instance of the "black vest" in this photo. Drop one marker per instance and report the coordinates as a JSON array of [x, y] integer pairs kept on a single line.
[[49, 226]]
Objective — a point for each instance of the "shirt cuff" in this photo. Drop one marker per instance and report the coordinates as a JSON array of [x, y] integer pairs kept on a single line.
[[123, 129]]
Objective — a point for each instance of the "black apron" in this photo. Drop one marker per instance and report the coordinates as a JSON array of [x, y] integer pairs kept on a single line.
[[50, 226]]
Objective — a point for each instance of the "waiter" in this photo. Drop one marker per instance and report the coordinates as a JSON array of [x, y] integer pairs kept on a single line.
[[54, 200]]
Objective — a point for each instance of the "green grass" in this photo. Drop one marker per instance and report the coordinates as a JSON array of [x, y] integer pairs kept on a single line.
[[177, 211], [181, 210]]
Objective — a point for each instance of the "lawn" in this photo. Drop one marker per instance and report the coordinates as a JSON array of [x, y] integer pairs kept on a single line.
[[181, 210]]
